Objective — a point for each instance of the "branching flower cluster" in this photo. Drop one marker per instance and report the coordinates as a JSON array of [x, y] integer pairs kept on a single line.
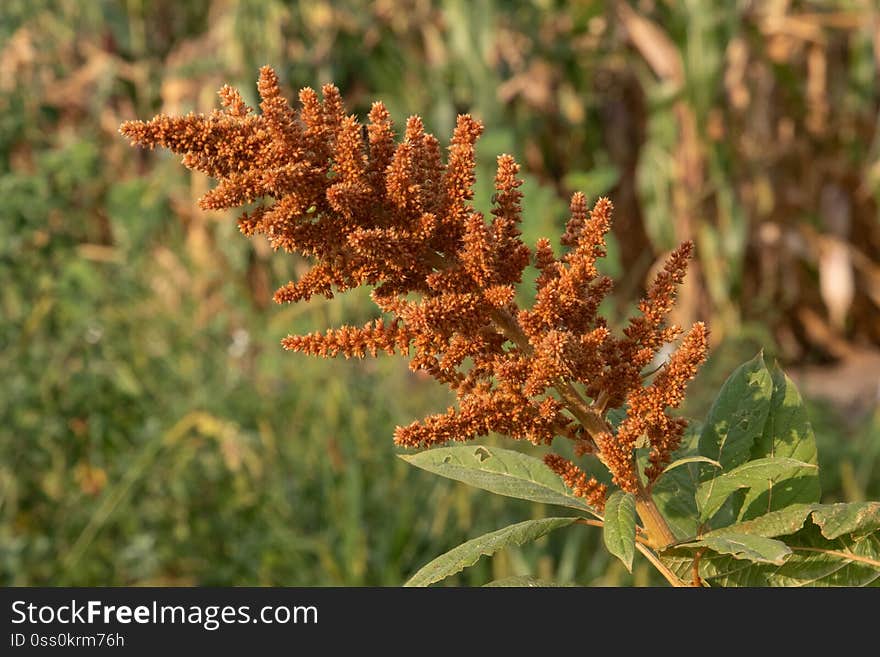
[[398, 217]]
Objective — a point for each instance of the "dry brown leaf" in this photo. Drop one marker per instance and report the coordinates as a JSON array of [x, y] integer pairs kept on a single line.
[[652, 43]]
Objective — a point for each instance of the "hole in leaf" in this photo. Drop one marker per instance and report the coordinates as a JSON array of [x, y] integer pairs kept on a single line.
[[482, 453]]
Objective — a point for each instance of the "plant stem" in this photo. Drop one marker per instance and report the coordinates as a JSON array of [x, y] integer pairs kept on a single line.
[[659, 533], [670, 576]]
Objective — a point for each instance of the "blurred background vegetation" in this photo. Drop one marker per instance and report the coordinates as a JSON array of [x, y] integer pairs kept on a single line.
[[152, 431]]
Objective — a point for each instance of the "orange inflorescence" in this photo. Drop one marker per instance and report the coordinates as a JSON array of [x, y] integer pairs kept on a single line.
[[371, 211], [576, 479]]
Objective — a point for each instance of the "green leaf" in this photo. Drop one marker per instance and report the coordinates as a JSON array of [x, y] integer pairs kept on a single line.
[[712, 494], [776, 523], [737, 416], [834, 520], [520, 581], [758, 414], [746, 546], [839, 519], [500, 471], [838, 550], [787, 433], [467, 554], [690, 459], [735, 422], [619, 530], [815, 561], [673, 492]]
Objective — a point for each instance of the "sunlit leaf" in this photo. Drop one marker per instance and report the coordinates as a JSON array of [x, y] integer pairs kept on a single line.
[[712, 494], [839, 519], [776, 523], [814, 561], [690, 459], [787, 433], [746, 546], [500, 471], [619, 530], [737, 417], [834, 520], [467, 554]]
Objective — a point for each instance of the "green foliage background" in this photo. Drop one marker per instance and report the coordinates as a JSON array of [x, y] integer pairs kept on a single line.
[[152, 431]]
